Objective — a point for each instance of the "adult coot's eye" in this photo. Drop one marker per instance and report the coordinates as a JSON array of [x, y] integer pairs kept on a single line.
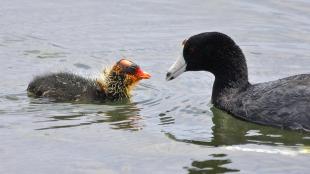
[[192, 49], [188, 51]]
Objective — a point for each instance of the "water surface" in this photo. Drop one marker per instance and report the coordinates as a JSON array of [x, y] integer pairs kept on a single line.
[[169, 127]]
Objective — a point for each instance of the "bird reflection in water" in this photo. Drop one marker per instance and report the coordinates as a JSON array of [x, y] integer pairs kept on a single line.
[[228, 130], [122, 116], [216, 165]]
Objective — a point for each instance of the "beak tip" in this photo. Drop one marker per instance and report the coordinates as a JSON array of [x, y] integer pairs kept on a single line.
[[145, 75], [169, 76]]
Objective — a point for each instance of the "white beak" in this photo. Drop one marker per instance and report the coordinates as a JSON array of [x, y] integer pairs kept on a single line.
[[176, 69]]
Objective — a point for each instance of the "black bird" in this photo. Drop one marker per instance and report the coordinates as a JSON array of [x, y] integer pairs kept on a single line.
[[114, 84], [283, 103]]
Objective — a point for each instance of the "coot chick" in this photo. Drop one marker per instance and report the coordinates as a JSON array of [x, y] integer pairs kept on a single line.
[[114, 84], [283, 103]]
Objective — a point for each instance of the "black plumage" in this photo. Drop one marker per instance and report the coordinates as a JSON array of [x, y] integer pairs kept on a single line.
[[283, 103], [66, 87]]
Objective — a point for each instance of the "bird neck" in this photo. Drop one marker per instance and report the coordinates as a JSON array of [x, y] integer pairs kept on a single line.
[[230, 77], [114, 86]]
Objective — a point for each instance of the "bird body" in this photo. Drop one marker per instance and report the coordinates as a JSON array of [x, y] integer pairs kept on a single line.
[[66, 87], [283, 103], [114, 84]]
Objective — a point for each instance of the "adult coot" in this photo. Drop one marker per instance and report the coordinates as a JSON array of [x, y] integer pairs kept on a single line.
[[114, 84], [283, 103]]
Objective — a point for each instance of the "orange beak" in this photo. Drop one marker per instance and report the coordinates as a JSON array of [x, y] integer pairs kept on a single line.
[[140, 74]]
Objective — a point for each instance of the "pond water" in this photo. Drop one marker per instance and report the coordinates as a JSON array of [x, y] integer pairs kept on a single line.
[[169, 127]]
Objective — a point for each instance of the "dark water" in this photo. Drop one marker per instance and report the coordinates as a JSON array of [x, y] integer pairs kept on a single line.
[[169, 127]]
